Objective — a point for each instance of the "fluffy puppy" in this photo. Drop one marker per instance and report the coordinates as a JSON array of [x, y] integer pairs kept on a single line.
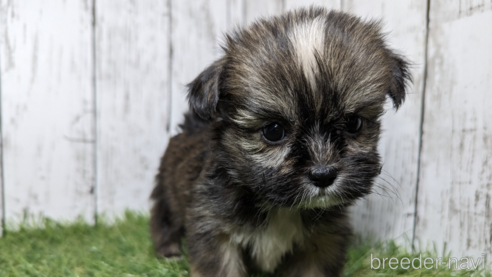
[[281, 138]]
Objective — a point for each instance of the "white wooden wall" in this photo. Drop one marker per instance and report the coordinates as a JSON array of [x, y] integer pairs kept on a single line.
[[91, 90]]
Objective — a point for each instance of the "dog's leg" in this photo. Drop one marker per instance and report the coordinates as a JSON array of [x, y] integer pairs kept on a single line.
[[166, 230], [214, 255], [322, 256]]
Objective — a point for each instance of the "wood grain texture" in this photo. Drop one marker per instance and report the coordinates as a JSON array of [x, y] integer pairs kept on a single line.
[[235, 14], [454, 199], [329, 4], [47, 114], [450, 10], [197, 28], [132, 69], [255, 9], [243, 12], [389, 212]]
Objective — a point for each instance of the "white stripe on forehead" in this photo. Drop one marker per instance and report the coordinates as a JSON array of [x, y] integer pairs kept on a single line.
[[308, 38]]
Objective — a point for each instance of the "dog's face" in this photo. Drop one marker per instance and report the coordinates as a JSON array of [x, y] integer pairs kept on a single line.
[[296, 103]]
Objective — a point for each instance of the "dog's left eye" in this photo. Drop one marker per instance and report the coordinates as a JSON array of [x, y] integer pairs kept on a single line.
[[353, 124], [274, 132]]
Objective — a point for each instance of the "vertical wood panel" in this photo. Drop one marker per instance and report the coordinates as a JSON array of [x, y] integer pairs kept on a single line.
[[254, 9], [454, 200], [330, 4], [389, 212], [132, 50], [47, 113], [244, 12], [235, 13], [450, 10], [197, 28]]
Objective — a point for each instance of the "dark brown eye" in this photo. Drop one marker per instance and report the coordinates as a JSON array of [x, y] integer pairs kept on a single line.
[[353, 124], [274, 132]]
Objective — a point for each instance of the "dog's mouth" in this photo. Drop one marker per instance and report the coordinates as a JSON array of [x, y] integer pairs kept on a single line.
[[321, 201], [302, 192], [315, 196]]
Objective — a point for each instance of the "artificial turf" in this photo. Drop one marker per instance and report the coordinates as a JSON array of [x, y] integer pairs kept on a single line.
[[124, 249]]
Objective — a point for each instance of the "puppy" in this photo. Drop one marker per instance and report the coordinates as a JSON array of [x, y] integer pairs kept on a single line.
[[281, 138]]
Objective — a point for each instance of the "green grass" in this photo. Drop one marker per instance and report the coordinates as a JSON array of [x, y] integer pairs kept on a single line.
[[124, 249]]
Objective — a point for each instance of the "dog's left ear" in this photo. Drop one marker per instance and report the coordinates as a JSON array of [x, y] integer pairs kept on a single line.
[[400, 79], [203, 92]]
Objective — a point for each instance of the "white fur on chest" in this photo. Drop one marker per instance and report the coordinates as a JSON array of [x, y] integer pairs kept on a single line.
[[271, 242]]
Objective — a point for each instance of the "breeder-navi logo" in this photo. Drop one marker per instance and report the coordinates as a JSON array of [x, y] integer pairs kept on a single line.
[[428, 263]]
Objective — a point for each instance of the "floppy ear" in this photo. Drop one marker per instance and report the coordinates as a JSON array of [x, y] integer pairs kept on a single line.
[[400, 79], [203, 92]]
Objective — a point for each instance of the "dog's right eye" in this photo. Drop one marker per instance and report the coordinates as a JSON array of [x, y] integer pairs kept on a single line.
[[274, 132]]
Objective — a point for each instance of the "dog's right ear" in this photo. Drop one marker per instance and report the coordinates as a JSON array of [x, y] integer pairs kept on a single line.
[[203, 92]]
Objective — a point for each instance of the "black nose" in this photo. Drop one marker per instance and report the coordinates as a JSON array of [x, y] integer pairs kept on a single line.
[[323, 176]]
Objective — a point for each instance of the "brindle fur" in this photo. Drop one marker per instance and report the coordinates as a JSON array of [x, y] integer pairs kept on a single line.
[[245, 205]]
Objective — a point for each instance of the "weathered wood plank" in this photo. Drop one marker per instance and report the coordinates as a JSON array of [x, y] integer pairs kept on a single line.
[[389, 212], [450, 10], [235, 14], [197, 28], [455, 192], [329, 4], [243, 12], [47, 112], [255, 9], [132, 76]]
